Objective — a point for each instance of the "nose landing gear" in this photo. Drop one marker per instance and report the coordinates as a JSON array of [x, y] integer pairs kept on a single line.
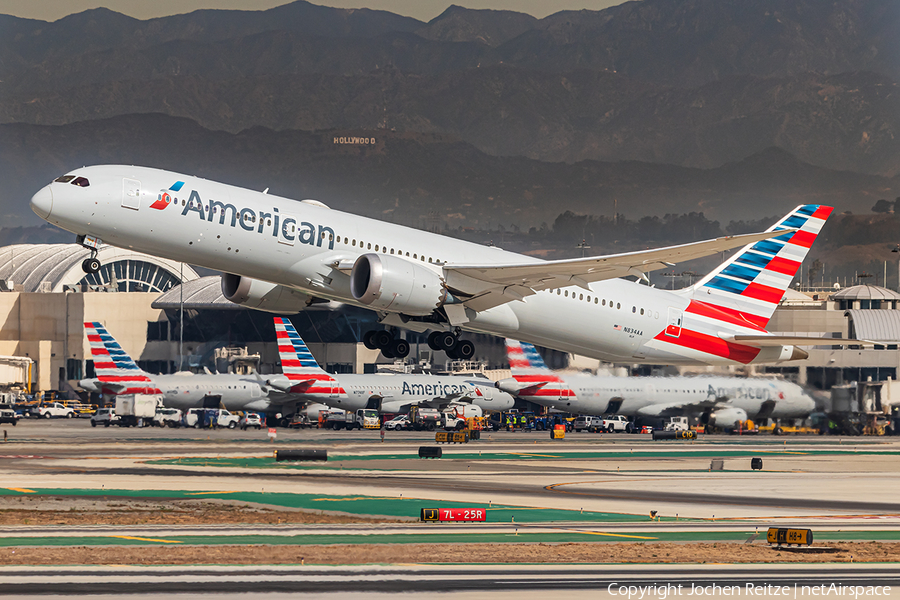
[[90, 265], [390, 346]]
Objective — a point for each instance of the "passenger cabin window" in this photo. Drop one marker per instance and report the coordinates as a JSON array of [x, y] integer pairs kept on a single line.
[[64, 179], [81, 182]]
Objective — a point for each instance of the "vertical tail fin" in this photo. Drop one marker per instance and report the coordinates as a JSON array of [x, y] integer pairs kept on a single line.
[[524, 359], [293, 351], [299, 365], [746, 289], [529, 369], [116, 371]]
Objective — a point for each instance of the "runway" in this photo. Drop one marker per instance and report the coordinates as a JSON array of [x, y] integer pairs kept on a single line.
[[524, 580], [587, 488]]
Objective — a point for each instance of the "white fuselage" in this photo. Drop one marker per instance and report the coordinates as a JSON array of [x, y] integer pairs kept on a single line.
[[237, 392], [660, 396], [301, 246], [396, 393]]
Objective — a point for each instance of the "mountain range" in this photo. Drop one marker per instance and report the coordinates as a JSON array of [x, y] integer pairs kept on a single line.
[[691, 83], [422, 179]]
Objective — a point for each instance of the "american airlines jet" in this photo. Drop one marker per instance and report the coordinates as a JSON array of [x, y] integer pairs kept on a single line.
[[281, 255], [718, 401], [387, 393], [117, 373]]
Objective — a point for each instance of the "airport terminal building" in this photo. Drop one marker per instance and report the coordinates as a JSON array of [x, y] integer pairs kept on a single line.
[[45, 298]]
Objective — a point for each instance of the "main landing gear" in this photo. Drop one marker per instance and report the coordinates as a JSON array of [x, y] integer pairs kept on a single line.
[[449, 342], [384, 340]]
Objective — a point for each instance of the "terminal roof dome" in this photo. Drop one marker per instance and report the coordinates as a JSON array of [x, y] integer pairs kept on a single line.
[[865, 292], [55, 267]]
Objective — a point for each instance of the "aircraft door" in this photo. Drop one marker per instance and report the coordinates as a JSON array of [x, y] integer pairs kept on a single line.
[[254, 390], [131, 194], [673, 327]]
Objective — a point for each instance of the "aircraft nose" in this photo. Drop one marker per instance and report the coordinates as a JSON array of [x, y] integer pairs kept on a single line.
[[42, 202]]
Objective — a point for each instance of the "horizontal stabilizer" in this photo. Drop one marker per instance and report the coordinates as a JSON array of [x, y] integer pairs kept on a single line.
[[763, 341]]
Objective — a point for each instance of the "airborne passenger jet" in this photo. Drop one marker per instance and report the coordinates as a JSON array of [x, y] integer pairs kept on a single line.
[[718, 401], [280, 256]]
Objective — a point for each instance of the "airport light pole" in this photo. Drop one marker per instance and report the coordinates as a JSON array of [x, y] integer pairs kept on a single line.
[[896, 250], [583, 245]]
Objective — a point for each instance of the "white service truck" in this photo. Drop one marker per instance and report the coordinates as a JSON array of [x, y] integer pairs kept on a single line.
[[53, 409], [677, 424], [455, 416], [615, 424], [133, 409]]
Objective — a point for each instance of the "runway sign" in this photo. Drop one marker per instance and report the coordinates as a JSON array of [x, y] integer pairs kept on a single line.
[[453, 514], [451, 437], [783, 535]]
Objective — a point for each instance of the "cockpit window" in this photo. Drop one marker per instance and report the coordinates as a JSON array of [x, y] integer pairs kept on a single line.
[[81, 182], [64, 179]]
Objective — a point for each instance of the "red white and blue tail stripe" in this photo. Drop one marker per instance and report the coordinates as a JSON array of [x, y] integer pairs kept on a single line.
[[740, 296], [299, 365], [529, 370], [116, 371], [749, 286]]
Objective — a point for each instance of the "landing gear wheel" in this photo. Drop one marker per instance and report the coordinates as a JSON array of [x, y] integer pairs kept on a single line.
[[382, 339], [432, 340], [399, 348], [445, 340], [386, 352], [369, 340], [452, 355], [90, 265], [465, 349]]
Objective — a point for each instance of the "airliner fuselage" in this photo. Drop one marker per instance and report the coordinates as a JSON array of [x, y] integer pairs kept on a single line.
[[310, 249]]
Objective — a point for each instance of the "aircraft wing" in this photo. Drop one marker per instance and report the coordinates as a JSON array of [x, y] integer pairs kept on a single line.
[[481, 287], [678, 408], [793, 340]]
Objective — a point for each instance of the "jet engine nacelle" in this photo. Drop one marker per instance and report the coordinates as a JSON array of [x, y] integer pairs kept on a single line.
[[262, 295], [396, 284], [727, 418]]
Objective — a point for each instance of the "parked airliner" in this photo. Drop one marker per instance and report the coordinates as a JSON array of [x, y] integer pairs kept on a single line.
[[387, 392], [718, 401], [117, 373], [281, 255]]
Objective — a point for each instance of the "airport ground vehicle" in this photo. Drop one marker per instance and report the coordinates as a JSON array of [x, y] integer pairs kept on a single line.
[[368, 418], [398, 422], [167, 417], [455, 416], [588, 423], [7, 415], [136, 410], [339, 419], [615, 424], [300, 420], [677, 424], [104, 416], [210, 417], [424, 418], [251, 420], [54, 409]]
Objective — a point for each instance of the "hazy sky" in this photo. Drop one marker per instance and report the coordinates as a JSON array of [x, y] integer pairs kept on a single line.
[[425, 10]]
